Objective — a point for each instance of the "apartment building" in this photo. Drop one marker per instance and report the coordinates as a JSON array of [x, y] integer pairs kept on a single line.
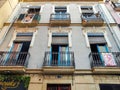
[[60, 45]]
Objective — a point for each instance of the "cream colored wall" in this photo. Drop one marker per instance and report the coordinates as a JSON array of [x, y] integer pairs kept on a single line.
[[6, 10], [78, 82]]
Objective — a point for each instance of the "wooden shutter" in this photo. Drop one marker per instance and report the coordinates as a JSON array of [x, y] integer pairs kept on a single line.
[[96, 38], [61, 9], [24, 37], [21, 16], [87, 9], [60, 38]]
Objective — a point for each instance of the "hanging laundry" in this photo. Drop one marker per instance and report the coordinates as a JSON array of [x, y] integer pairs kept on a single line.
[[108, 59]]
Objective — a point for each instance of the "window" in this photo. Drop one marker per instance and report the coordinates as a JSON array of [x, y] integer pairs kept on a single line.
[[58, 87], [22, 40], [19, 50], [87, 9], [109, 86], [67, 33], [99, 49], [60, 9], [60, 13], [101, 35], [34, 9], [20, 35], [59, 49], [31, 14], [60, 38], [96, 38], [97, 42]]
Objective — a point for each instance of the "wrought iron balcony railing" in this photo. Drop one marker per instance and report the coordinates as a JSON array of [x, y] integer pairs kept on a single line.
[[64, 16], [29, 18], [111, 59], [59, 59], [116, 6], [14, 58], [92, 17]]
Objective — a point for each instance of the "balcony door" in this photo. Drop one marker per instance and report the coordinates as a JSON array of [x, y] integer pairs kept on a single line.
[[102, 48], [60, 50], [60, 55], [58, 87], [60, 12], [18, 52]]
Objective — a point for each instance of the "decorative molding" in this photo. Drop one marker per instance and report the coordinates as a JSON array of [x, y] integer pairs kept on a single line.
[[42, 6], [95, 30], [68, 10], [33, 38], [59, 29], [79, 7], [13, 38], [17, 30], [53, 9]]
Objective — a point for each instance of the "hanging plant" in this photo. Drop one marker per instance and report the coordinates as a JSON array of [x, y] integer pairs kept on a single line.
[[16, 78]]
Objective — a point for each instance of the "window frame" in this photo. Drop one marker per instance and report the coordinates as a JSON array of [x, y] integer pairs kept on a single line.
[[15, 35], [85, 33], [67, 8], [69, 32]]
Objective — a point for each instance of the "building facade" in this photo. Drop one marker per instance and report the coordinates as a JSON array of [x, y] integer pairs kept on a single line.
[[66, 45]]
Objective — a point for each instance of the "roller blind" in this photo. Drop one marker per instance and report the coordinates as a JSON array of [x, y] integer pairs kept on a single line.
[[60, 9], [59, 38], [24, 37], [96, 38]]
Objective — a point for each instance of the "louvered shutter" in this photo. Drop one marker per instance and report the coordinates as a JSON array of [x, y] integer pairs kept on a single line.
[[96, 38], [62, 9], [60, 38], [24, 37]]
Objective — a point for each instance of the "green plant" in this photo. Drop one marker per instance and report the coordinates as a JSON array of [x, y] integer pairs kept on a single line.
[[17, 78]]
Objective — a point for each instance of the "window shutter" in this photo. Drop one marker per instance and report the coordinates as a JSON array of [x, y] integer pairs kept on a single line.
[[61, 9], [87, 9], [24, 37], [96, 38], [60, 38]]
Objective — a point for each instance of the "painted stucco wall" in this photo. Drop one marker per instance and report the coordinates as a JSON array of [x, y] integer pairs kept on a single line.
[[79, 47], [6, 10]]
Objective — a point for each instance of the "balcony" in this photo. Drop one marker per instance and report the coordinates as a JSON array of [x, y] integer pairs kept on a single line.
[[116, 6], [62, 62], [105, 62], [29, 20], [13, 61], [90, 19], [60, 19]]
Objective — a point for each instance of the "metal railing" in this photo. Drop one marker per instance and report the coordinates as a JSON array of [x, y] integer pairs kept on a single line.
[[111, 59], [92, 18], [14, 58], [59, 59], [64, 16]]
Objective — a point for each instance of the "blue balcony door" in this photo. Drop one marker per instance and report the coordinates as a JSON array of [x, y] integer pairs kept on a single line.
[[60, 15], [64, 56], [59, 55], [102, 49], [13, 53]]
